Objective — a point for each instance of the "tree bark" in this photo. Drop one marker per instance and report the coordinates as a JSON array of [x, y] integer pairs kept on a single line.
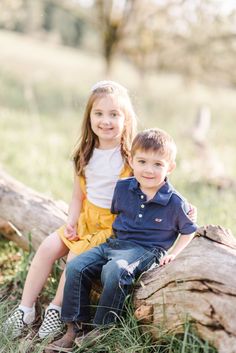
[[199, 286], [25, 212]]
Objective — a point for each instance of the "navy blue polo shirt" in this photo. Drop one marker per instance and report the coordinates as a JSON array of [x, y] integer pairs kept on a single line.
[[153, 223]]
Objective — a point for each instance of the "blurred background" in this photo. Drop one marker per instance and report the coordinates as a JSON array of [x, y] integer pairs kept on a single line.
[[176, 57]]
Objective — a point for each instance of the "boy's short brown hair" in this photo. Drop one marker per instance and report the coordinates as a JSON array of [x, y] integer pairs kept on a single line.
[[155, 140]]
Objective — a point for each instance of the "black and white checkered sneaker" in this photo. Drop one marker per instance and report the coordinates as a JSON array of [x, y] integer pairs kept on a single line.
[[52, 324], [17, 321]]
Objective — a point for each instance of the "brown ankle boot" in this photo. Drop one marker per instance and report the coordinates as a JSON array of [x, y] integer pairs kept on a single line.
[[65, 343]]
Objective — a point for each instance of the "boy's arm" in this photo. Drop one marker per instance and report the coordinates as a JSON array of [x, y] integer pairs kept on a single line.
[[180, 244]]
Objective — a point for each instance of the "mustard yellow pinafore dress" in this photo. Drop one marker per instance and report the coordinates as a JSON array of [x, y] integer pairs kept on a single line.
[[94, 223]]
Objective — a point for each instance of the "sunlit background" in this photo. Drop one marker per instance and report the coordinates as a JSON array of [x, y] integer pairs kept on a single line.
[[177, 58]]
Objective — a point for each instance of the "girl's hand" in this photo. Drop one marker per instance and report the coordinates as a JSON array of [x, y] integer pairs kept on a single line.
[[70, 232], [166, 259], [192, 213]]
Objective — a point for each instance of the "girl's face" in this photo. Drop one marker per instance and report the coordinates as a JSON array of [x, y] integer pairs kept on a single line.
[[107, 121]]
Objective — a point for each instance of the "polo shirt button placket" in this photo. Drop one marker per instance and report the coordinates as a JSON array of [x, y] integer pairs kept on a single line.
[[140, 215]]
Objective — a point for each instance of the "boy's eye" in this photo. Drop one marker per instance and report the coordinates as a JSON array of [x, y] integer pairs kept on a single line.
[[114, 115], [158, 164]]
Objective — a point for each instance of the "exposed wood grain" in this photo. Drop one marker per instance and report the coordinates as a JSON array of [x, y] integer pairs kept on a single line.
[[199, 286], [24, 211]]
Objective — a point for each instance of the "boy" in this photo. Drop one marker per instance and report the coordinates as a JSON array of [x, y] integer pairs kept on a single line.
[[150, 216]]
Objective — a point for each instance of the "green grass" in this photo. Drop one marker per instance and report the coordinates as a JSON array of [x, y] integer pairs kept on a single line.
[[43, 89], [127, 336], [36, 148]]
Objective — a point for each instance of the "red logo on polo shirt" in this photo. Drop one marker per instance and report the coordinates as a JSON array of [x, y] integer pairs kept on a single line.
[[158, 220]]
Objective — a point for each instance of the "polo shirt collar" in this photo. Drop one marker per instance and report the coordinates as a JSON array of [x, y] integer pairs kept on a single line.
[[162, 196]]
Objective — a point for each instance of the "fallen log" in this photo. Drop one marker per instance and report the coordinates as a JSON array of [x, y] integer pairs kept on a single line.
[[24, 212], [198, 287]]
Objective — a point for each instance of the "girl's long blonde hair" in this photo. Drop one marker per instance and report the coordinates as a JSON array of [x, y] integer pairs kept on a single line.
[[88, 140]]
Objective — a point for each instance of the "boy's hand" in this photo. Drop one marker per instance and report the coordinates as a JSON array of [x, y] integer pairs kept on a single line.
[[192, 213], [166, 259], [70, 232]]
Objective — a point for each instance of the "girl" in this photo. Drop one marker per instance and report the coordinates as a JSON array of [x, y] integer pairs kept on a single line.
[[100, 158]]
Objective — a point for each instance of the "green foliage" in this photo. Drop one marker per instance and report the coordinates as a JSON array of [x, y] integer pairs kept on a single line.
[[67, 23], [38, 97], [11, 92], [128, 336]]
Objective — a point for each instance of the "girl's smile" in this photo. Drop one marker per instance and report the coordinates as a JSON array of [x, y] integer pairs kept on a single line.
[[107, 121]]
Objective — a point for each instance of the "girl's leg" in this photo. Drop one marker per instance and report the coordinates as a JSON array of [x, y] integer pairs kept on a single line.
[[52, 324], [51, 249], [59, 294]]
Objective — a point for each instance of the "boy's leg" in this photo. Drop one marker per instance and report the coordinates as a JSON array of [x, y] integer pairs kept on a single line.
[[80, 274], [118, 276], [57, 300]]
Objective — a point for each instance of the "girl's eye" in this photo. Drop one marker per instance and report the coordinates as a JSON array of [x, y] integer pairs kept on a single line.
[[141, 161], [114, 115], [98, 113]]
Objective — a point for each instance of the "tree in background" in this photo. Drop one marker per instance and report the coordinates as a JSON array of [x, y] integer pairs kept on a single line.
[[113, 18], [193, 37], [50, 17]]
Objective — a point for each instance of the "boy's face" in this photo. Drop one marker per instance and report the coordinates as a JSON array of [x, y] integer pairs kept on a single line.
[[150, 169]]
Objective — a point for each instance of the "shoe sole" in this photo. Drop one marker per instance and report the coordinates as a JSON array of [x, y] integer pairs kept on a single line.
[[50, 335], [52, 349]]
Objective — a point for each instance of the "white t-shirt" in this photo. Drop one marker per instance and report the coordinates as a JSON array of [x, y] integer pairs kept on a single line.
[[102, 173]]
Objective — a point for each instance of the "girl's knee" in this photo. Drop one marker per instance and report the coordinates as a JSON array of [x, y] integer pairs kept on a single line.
[[52, 247], [70, 256]]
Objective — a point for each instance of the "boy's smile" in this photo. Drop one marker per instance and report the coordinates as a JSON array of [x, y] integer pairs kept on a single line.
[[150, 168]]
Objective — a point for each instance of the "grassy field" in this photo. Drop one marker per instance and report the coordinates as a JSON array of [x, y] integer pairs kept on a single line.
[[43, 89]]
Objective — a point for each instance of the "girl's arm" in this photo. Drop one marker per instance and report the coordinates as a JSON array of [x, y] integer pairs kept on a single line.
[[74, 210], [192, 213], [179, 246]]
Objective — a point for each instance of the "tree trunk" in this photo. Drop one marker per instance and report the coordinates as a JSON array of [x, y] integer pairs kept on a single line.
[[214, 172], [25, 212], [199, 287]]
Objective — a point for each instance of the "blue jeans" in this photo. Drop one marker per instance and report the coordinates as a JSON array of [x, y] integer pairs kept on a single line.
[[117, 263]]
